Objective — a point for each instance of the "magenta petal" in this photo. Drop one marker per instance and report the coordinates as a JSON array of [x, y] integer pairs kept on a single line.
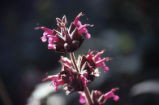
[[47, 30], [88, 36], [66, 61], [43, 38], [82, 30], [55, 80], [57, 83], [100, 62], [53, 77], [106, 69], [51, 46], [82, 99], [45, 34], [76, 21], [98, 55], [111, 94], [50, 40], [116, 98], [79, 23]]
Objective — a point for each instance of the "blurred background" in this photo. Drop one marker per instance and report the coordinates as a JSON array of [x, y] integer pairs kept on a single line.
[[127, 29]]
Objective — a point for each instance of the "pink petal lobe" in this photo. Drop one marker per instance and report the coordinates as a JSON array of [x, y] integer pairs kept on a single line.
[[100, 62], [98, 55], [77, 19], [43, 38], [55, 80], [116, 98], [88, 36], [111, 94], [106, 68], [66, 61], [51, 46], [47, 30], [82, 99]]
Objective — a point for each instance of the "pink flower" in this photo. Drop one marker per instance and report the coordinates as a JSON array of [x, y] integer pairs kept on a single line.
[[82, 28], [65, 39], [73, 80], [99, 98], [111, 94], [65, 61], [76, 74], [95, 60], [88, 65], [69, 78], [56, 81], [82, 98]]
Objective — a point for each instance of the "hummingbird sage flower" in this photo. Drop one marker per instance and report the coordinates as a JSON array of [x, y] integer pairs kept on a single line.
[[65, 39], [88, 70], [98, 97], [76, 74], [95, 60], [70, 79], [88, 64]]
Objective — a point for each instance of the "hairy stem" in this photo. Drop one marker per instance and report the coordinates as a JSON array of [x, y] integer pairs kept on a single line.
[[72, 55], [86, 90], [88, 96]]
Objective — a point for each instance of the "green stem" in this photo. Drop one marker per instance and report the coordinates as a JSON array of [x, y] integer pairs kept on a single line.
[[86, 90]]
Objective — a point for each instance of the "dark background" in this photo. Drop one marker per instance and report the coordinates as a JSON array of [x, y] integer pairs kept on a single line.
[[127, 29]]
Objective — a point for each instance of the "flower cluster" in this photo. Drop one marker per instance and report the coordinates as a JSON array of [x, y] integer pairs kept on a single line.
[[88, 70], [65, 39], [69, 78], [76, 74], [98, 97]]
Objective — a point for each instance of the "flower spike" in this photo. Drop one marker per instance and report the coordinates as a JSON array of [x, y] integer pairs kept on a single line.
[[76, 74]]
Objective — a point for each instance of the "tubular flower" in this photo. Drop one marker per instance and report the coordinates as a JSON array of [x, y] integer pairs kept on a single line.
[[74, 80], [56, 81], [69, 78], [82, 98], [65, 39], [99, 98], [88, 64], [111, 94], [95, 60]]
